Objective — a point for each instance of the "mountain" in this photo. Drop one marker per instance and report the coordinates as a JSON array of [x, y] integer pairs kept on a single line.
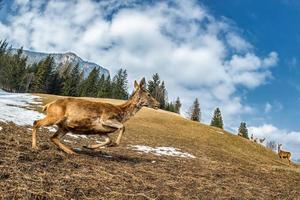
[[60, 59]]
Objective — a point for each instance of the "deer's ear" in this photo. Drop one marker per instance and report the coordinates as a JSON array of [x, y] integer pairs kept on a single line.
[[136, 85], [143, 83]]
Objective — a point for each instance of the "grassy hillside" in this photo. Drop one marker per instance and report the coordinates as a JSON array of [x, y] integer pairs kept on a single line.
[[226, 166]]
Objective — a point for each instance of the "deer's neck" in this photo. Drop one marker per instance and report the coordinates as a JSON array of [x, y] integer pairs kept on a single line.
[[129, 109]]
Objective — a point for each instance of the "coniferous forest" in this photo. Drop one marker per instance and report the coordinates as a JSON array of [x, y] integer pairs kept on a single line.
[[44, 77]]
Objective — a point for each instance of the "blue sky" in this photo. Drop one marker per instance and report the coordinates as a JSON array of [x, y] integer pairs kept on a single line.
[[241, 56], [271, 26]]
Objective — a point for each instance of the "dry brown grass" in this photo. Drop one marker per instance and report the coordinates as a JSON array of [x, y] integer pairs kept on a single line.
[[225, 167]]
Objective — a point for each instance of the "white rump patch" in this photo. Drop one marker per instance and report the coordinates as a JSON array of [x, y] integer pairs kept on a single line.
[[1, 128], [159, 151]]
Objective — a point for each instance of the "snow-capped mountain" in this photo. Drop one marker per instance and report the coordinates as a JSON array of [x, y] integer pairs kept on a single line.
[[60, 59]]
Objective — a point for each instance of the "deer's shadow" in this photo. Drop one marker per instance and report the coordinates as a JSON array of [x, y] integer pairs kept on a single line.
[[112, 156]]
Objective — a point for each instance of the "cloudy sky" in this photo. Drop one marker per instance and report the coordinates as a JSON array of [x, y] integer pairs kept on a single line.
[[239, 55]]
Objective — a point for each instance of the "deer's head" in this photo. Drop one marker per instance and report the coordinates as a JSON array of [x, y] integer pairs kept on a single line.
[[141, 97]]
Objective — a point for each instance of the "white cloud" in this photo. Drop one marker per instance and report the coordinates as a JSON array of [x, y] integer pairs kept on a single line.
[[238, 43], [268, 107], [289, 139], [196, 54]]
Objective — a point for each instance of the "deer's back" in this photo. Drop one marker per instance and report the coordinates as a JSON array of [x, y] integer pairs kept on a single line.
[[82, 109]]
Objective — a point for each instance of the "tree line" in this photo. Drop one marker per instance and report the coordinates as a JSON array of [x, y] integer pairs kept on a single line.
[[44, 77]]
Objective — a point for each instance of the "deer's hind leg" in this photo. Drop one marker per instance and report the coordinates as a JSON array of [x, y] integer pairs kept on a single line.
[[55, 139], [47, 121], [102, 144]]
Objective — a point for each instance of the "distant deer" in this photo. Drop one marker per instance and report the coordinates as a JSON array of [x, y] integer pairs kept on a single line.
[[261, 140], [284, 154], [87, 117]]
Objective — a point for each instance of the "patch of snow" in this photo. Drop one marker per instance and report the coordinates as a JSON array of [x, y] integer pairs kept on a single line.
[[68, 141], [13, 108], [73, 135], [167, 151], [76, 136], [51, 128]]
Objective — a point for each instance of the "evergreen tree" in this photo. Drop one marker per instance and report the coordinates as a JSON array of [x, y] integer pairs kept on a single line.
[[107, 87], [158, 90], [43, 76], [177, 105], [13, 70], [162, 95], [103, 87], [71, 83], [170, 107], [120, 85], [55, 83], [243, 130], [217, 120], [153, 84], [88, 87], [195, 112]]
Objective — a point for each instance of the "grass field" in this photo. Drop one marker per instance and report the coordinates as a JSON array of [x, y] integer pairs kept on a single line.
[[226, 166]]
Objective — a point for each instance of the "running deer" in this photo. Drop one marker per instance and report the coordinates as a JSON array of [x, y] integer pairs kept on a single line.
[[284, 154], [87, 117]]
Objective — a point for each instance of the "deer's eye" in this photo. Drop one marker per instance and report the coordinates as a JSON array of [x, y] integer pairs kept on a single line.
[[148, 95]]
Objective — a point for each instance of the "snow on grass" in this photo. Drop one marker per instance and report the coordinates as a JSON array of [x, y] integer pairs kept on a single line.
[[13, 108], [159, 151], [76, 136]]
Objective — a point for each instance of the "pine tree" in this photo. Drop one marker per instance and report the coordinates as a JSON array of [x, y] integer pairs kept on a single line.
[[101, 87], [170, 107], [217, 120], [43, 76], [107, 92], [243, 130], [88, 87], [13, 70], [195, 112], [162, 95], [55, 83], [177, 105], [153, 84], [71, 83], [120, 85], [158, 90]]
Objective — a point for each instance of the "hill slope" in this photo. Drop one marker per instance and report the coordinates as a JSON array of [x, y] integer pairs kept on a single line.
[[225, 166]]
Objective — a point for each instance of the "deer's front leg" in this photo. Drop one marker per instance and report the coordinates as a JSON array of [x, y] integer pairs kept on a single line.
[[119, 126]]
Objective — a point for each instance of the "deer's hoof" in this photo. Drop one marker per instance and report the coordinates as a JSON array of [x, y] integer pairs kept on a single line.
[[35, 148]]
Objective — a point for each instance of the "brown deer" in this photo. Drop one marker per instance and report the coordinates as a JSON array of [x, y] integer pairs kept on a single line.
[[261, 140], [87, 117], [284, 154]]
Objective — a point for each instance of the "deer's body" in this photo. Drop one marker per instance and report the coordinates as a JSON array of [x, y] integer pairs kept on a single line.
[[87, 117], [284, 154]]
